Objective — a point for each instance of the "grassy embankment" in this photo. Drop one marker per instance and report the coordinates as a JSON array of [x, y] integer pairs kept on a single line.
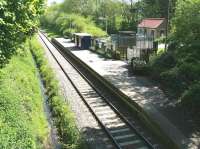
[[22, 120], [64, 119]]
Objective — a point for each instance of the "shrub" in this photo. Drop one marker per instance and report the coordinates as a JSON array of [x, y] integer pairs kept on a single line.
[[189, 72], [190, 98], [172, 81], [161, 63]]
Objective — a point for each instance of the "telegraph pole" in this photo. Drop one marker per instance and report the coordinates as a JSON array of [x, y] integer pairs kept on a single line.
[[167, 24], [131, 4], [96, 6]]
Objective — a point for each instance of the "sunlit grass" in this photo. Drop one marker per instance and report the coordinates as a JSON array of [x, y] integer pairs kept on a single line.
[[22, 119], [64, 118]]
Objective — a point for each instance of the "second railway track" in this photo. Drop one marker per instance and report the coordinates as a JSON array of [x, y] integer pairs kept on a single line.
[[120, 131]]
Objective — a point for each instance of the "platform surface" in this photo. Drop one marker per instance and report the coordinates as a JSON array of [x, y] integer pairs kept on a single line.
[[146, 94]]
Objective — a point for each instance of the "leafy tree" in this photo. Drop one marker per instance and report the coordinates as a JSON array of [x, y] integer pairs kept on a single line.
[[157, 8], [65, 24], [83, 7], [18, 20], [71, 6], [151, 8], [179, 67], [131, 16], [186, 23], [116, 14], [111, 11]]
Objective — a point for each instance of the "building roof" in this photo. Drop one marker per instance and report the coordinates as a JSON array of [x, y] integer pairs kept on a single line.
[[82, 34], [151, 22]]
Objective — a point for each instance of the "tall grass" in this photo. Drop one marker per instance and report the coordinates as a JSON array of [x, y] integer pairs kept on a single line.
[[22, 120], [63, 117]]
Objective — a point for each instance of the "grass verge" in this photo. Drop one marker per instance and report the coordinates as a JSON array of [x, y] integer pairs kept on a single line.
[[23, 124], [64, 119]]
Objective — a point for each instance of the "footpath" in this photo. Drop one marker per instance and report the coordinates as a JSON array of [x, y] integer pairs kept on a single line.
[[146, 94]]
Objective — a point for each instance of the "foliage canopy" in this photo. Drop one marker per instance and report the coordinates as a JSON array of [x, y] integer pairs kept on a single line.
[[18, 20], [179, 67], [65, 24]]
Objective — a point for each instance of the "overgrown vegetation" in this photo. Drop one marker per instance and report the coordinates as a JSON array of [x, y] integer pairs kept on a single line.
[[178, 68], [18, 20], [101, 12], [66, 24], [157, 8], [22, 120], [64, 119], [114, 15], [89, 16]]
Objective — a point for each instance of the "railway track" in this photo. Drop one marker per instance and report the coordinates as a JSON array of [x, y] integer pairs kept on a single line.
[[121, 132]]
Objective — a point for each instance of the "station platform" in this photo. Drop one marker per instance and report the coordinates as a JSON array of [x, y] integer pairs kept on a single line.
[[144, 92]]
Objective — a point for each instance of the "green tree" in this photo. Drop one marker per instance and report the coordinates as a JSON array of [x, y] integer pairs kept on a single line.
[[83, 7], [111, 11], [157, 8], [186, 23], [131, 16], [179, 66], [151, 8], [18, 19]]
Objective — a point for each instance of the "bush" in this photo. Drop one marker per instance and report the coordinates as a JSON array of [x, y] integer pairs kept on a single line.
[[190, 98], [176, 74], [173, 82], [161, 63], [189, 72]]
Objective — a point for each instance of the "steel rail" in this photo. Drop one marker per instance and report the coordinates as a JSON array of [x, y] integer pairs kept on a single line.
[[104, 98], [109, 103], [79, 93]]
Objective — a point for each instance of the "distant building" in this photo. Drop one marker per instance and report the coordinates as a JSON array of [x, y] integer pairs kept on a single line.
[[122, 41], [82, 40], [152, 27]]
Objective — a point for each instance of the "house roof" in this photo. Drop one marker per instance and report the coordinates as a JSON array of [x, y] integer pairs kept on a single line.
[[151, 22]]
